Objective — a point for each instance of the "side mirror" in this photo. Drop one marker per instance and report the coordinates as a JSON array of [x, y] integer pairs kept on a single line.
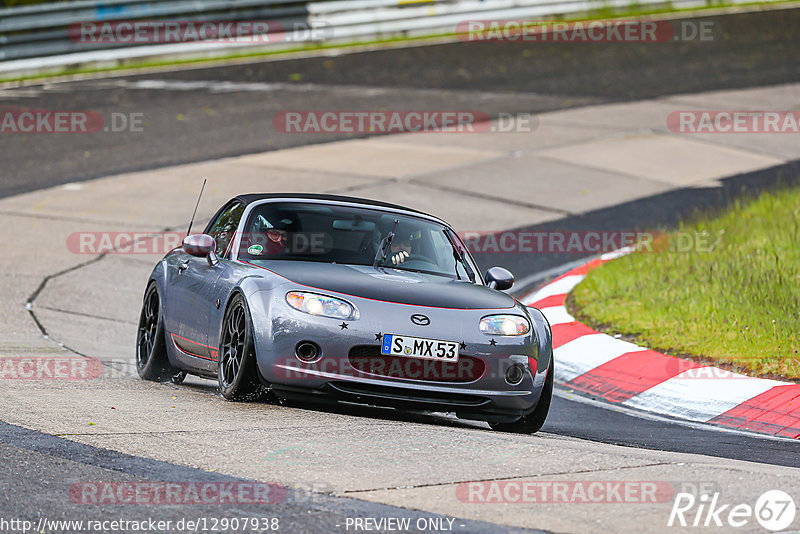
[[201, 246], [499, 278]]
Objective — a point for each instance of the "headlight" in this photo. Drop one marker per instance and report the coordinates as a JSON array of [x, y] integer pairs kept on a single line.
[[505, 325], [321, 305]]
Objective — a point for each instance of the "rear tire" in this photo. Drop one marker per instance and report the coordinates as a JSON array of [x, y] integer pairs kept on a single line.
[[237, 371], [533, 422], [151, 348]]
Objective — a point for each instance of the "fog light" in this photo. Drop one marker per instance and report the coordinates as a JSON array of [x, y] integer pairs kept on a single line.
[[306, 351], [515, 374]]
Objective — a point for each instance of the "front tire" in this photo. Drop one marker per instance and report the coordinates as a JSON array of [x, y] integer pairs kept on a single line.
[[533, 422], [237, 371], [151, 348]]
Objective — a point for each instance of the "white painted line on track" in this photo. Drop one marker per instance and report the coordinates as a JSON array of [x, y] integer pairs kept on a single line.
[[559, 287], [608, 256], [533, 279]]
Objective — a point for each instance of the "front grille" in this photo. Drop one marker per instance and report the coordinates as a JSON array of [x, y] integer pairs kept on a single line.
[[369, 360]]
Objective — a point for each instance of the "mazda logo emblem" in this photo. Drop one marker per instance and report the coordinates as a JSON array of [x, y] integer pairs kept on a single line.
[[420, 320]]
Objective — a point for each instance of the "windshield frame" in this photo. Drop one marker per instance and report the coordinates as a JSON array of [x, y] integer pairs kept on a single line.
[[237, 239]]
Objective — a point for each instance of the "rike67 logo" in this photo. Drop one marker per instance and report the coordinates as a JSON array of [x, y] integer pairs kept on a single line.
[[774, 510]]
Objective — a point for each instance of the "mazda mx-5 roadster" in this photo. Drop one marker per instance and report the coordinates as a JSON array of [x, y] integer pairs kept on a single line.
[[337, 299]]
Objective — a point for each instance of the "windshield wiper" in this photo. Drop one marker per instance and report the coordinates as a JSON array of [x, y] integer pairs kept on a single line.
[[423, 271], [460, 256], [383, 250], [455, 257]]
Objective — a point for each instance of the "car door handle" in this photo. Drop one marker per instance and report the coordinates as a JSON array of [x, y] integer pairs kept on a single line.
[[182, 266]]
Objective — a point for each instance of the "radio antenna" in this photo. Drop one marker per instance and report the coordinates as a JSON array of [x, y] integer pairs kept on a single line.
[[189, 231]]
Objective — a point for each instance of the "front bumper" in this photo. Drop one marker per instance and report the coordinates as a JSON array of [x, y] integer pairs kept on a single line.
[[478, 392]]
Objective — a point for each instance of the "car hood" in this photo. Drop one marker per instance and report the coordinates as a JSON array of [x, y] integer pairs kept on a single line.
[[389, 285]]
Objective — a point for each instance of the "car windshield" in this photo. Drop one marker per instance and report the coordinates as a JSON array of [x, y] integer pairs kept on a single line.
[[350, 235]]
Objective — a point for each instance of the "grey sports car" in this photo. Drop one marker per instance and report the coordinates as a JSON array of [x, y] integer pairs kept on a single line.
[[331, 298]]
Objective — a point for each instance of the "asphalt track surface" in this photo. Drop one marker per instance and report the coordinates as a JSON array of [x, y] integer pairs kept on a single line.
[[195, 123], [198, 124], [50, 463]]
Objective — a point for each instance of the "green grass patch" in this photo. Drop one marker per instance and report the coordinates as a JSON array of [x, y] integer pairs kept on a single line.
[[732, 300]]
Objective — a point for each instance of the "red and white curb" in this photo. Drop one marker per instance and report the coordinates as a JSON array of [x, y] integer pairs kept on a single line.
[[627, 374]]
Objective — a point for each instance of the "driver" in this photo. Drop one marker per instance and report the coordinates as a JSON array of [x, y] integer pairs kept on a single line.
[[271, 239], [276, 241]]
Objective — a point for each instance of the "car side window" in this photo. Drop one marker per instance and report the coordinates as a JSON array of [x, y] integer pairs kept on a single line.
[[224, 228]]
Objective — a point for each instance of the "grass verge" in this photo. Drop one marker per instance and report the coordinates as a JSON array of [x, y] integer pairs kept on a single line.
[[733, 299]]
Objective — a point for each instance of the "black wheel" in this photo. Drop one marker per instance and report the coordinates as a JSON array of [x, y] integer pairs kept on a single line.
[[151, 350], [238, 374], [534, 421]]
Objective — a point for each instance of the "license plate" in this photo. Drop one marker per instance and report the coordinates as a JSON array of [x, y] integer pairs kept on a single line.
[[418, 347]]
